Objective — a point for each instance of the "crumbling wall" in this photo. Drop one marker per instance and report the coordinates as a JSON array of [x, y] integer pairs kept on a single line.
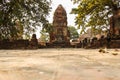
[[19, 44]]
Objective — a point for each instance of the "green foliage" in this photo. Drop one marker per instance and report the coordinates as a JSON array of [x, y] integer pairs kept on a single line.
[[44, 36], [46, 30], [48, 27], [94, 13], [30, 13], [73, 32]]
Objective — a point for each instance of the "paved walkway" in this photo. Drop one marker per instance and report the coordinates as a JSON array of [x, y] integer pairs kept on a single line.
[[59, 64]]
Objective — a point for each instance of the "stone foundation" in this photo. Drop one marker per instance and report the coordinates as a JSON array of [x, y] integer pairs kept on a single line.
[[114, 44], [15, 44], [58, 45], [19, 44]]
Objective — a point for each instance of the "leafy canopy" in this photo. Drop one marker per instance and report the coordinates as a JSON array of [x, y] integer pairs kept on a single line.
[[94, 13], [44, 36], [29, 14], [73, 32]]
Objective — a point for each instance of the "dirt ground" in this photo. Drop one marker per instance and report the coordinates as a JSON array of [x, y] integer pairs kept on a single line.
[[59, 64]]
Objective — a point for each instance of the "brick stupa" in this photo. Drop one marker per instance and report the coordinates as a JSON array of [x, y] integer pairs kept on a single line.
[[60, 33]]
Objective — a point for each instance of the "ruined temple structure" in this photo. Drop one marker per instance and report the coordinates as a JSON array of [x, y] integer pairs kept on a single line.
[[115, 23], [114, 34], [60, 35]]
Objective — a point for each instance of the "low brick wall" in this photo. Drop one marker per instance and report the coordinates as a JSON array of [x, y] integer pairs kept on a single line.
[[102, 43], [114, 44], [16, 44]]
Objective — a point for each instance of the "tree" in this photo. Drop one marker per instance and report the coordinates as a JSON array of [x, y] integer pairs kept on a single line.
[[45, 32], [73, 32], [94, 13], [19, 28], [44, 36], [29, 13], [48, 27]]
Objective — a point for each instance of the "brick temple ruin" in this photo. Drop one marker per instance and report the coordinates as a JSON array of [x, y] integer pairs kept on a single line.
[[115, 23], [115, 29], [60, 36]]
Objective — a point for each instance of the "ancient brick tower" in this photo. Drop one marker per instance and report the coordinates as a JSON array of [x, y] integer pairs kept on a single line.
[[115, 23], [60, 33]]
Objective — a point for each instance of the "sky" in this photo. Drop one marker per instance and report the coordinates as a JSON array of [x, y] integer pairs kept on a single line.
[[68, 5]]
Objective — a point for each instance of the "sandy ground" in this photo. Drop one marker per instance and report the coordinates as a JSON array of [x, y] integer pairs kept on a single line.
[[59, 64]]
